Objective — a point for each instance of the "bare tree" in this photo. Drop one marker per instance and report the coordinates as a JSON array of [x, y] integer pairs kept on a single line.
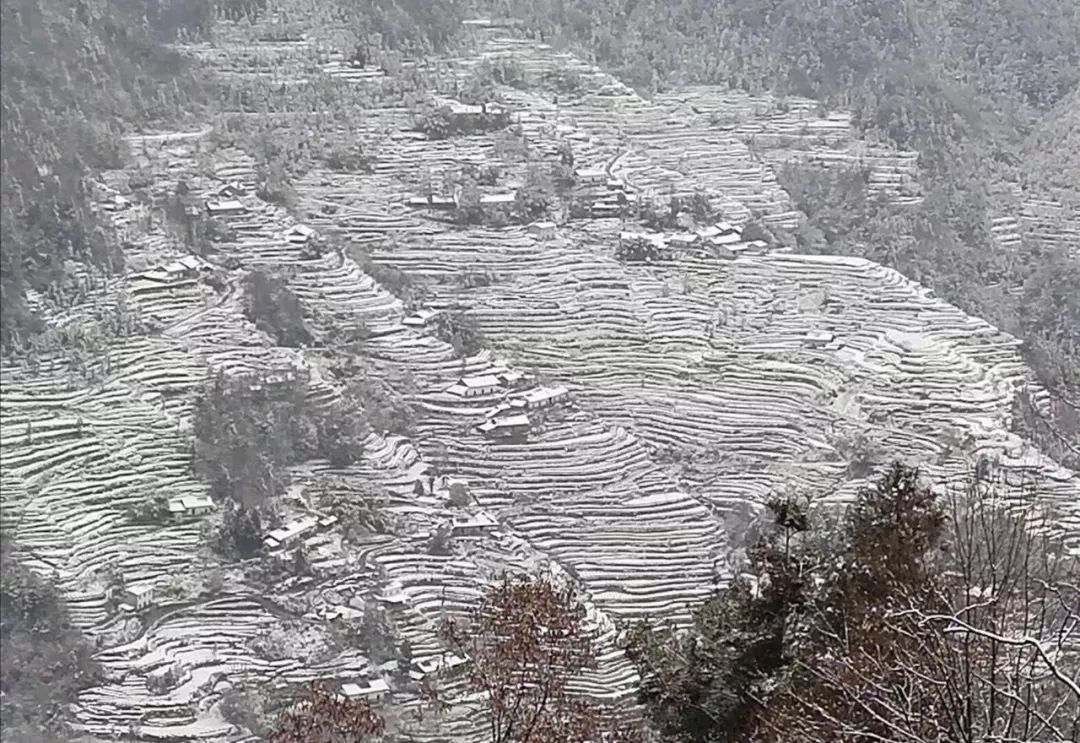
[[987, 650]]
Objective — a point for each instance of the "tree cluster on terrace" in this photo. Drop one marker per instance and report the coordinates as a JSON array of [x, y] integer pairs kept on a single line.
[[682, 212], [72, 82], [908, 617], [640, 249], [249, 430], [46, 661], [275, 310], [461, 332], [443, 121], [546, 186]]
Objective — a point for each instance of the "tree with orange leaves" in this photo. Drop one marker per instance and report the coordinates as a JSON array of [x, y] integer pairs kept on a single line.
[[318, 716], [526, 639]]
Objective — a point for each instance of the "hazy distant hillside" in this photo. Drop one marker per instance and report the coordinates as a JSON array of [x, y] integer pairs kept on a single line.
[[985, 92]]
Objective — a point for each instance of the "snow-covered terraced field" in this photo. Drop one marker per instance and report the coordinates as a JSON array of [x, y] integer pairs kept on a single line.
[[697, 388]]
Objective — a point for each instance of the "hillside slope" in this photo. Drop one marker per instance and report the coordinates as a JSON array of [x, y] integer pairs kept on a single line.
[[697, 383]]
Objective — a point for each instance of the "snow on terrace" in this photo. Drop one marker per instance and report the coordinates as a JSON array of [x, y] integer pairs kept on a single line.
[[642, 351], [609, 323], [798, 130], [577, 471]]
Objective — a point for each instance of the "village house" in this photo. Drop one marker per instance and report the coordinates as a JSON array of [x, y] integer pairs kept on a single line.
[[476, 386], [683, 240], [290, 532], [190, 506], [421, 318], [230, 190], [612, 204], [492, 200], [475, 110], [818, 338], [116, 203], [591, 176], [299, 234], [754, 247], [473, 525], [225, 208], [542, 230], [511, 406], [370, 689], [452, 488], [187, 267], [445, 203], [487, 23], [513, 378], [138, 597], [545, 397], [507, 427], [393, 596], [424, 667]]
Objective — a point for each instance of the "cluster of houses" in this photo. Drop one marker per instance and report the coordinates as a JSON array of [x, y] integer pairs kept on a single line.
[[449, 203], [606, 196], [375, 689], [721, 240], [495, 380], [509, 419], [224, 200]]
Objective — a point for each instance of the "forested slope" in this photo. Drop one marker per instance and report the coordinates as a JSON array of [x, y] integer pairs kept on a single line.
[[75, 77]]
